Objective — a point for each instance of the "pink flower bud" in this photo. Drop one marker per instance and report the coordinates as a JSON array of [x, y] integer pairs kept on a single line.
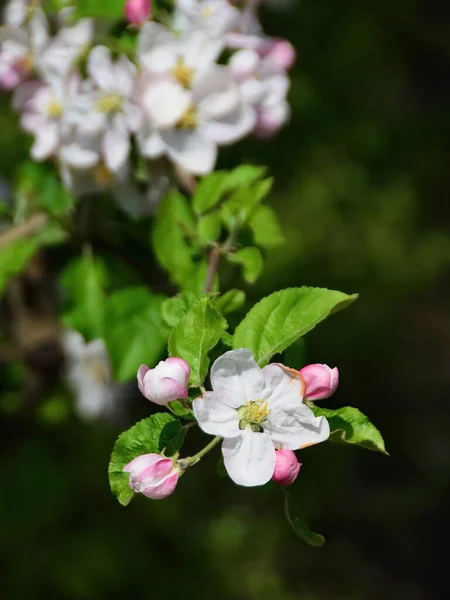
[[138, 12], [282, 53], [320, 381], [166, 382], [153, 475], [287, 467]]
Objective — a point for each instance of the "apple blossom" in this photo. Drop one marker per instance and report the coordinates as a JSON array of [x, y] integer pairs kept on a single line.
[[321, 381], [256, 411], [287, 467], [166, 382], [89, 375], [137, 12], [105, 113], [216, 17], [153, 475]]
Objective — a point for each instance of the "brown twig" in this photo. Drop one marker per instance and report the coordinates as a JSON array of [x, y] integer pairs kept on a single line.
[[22, 230]]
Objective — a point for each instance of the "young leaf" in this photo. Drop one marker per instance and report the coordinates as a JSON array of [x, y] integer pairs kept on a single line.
[[230, 301], [243, 175], [113, 9], [134, 330], [195, 335], [180, 411], [173, 309], [208, 192], [348, 425], [298, 523], [209, 227], [252, 263], [85, 279], [152, 435], [238, 209], [170, 247], [278, 320], [266, 228]]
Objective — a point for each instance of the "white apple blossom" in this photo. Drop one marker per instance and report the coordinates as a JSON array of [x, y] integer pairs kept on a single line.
[[215, 17], [105, 115], [89, 376], [44, 105], [264, 85], [256, 411]]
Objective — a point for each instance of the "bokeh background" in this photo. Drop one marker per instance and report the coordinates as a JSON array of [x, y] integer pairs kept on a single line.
[[362, 190]]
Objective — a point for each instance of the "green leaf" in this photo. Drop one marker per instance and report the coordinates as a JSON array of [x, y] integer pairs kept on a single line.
[[209, 192], [227, 339], [278, 320], [85, 279], [181, 411], [298, 522], [148, 436], [195, 335], [173, 309], [266, 228], [135, 333], [251, 260], [244, 175], [230, 301], [348, 425], [210, 227], [173, 218], [111, 9], [238, 209]]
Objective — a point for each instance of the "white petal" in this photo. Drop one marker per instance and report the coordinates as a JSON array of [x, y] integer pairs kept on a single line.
[[201, 50], [156, 47], [165, 103], [215, 417], [231, 128], [73, 343], [250, 458], [82, 153], [133, 116], [151, 144], [100, 68], [243, 64], [290, 423], [46, 142], [125, 74], [15, 12], [215, 87], [38, 29], [116, 144], [191, 150], [236, 375]]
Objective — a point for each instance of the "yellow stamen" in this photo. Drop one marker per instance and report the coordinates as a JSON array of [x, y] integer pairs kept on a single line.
[[103, 176], [182, 72], [109, 103], [255, 411], [189, 119], [207, 12], [54, 109]]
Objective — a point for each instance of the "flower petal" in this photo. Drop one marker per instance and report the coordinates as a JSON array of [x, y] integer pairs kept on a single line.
[[236, 375], [215, 417], [143, 369], [100, 68], [191, 150], [250, 458], [125, 74], [46, 142], [232, 127], [116, 144]]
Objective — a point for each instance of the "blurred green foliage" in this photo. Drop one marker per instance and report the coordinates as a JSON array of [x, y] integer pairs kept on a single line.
[[361, 189]]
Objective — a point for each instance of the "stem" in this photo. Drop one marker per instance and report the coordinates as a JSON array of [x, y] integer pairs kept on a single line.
[[17, 232], [214, 257], [185, 463]]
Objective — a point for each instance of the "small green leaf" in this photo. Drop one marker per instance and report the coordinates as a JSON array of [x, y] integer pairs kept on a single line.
[[229, 301], [298, 523], [238, 209], [209, 227], [85, 279], [278, 320], [134, 330], [112, 9], [181, 411], [209, 192], [152, 435], [251, 260], [173, 309], [227, 339], [266, 228], [243, 175], [348, 425], [195, 335], [172, 219]]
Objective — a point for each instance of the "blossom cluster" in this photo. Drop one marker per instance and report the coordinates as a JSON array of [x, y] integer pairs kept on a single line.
[[260, 414], [207, 78]]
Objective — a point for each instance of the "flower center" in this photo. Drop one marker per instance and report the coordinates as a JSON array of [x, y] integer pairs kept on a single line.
[[182, 72], [54, 109], [98, 371], [109, 103], [103, 176], [207, 12], [189, 119], [253, 414]]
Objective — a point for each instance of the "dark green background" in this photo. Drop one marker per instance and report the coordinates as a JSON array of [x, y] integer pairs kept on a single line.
[[362, 190]]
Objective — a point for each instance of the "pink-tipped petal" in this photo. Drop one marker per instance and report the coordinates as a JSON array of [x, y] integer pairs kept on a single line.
[[287, 467], [163, 490], [173, 360], [282, 54], [143, 369], [138, 12], [141, 463], [321, 381]]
